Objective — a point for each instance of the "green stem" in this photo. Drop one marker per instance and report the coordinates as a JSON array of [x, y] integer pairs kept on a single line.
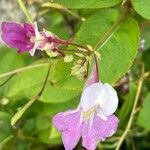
[[17, 116], [23, 69], [75, 51], [143, 76], [5, 141], [24, 9], [77, 45]]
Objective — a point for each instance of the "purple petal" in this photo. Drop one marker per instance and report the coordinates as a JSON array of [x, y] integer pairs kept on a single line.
[[98, 131], [15, 41], [16, 36], [68, 123], [8, 27], [29, 28]]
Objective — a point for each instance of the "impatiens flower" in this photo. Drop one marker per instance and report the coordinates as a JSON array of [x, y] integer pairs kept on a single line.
[[28, 38], [93, 120], [17, 36]]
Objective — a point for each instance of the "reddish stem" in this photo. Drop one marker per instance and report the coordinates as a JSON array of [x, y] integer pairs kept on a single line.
[[60, 41], [96, 65]]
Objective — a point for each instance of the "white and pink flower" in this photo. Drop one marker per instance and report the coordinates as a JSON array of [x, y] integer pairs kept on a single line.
[[93, 120], [28, 38]]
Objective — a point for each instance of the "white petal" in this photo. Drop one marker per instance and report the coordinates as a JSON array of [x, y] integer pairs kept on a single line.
[[32, 52], [108, 102], [101, 114], [102, 95], [37, 34], [91, 96]]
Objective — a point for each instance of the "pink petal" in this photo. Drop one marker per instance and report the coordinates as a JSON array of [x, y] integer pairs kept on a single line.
[[89, 140], [68, 123], [12, 27], [93, 78], [29, 28], [70, 138], [98, 131], [15, 36]]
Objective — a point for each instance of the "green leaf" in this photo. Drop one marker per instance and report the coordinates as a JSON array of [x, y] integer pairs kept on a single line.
[[143, 117], [118, 41], [76, 4], [63, 86], [27, 84], [142, 7], [58, 88], [21, 111], [10, 60], [128, 104]]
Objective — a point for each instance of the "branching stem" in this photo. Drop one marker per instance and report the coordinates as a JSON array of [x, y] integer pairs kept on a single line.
[[143, 76], [17, 116]]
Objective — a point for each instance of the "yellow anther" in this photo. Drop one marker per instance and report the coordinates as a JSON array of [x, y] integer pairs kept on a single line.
[[88, 114]]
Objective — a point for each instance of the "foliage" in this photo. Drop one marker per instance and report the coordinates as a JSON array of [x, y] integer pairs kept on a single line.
[[144, 113], [113, 28], [142, 7]]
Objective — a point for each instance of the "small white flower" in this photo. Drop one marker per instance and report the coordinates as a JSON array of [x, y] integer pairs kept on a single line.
[[101, 96]]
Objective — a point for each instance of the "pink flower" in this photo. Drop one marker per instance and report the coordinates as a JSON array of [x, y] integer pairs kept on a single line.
[[28, 38], [93, 120], [17, 36]]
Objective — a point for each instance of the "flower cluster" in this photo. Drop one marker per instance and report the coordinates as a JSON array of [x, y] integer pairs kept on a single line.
[[93, 120], [80, 68], [26, 37]]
